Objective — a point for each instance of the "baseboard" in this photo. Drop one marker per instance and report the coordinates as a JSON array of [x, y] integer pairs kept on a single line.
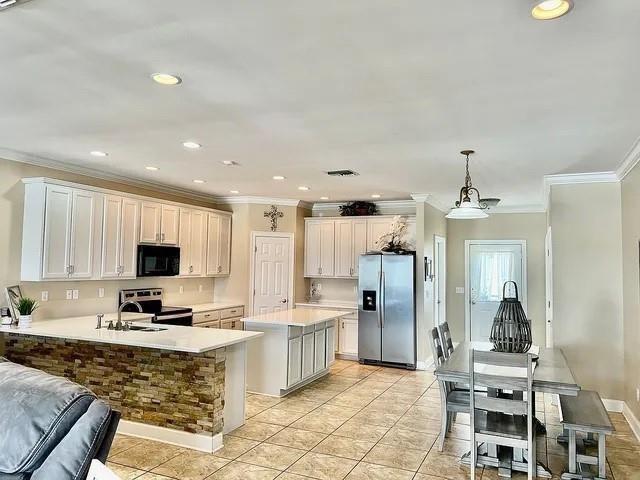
[[633, 421], [616, 406], [195, 441], [346, 356]]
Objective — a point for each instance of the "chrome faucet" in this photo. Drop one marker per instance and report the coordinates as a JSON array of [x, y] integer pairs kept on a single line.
[[122, 305]]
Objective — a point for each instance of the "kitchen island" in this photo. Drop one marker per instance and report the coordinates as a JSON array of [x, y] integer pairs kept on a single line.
[[297, 348], [181, 385]]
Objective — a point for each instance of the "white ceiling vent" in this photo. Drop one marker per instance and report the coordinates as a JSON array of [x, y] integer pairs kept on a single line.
[[342, 173], [4, 4]]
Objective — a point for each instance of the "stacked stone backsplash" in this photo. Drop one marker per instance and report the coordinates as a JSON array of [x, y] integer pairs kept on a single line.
[[177, 390]]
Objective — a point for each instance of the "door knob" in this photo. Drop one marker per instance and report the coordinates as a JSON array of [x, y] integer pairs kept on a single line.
[[284, 300]]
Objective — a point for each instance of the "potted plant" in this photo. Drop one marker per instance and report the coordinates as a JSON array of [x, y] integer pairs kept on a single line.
[[358, 208], [26, 306]]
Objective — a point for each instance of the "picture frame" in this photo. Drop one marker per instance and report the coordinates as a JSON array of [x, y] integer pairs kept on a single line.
[[13, 294]]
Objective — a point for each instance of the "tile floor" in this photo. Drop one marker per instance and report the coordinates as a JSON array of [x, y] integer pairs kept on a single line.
[[359, 423]]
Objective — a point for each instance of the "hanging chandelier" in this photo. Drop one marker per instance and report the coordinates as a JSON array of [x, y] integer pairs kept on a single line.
[[467, 207]]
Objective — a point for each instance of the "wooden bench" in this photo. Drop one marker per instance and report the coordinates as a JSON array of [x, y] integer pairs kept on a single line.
[[586, 414]]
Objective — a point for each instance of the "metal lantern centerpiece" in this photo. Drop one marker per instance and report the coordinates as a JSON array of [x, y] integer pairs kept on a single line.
[[511, 330]]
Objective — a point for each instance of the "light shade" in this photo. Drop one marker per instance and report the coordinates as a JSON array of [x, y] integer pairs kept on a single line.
[[467, 211], [550, 9], [166, 79]]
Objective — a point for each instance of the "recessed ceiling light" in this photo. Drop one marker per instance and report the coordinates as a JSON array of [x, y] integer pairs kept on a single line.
[[98, 153], [152, 169], [198, 181], [278, 177], [166, 79], [324, 198], [303, 188], [191, 145], [229, 163], [375, 195], [234, 191], [550, 9]]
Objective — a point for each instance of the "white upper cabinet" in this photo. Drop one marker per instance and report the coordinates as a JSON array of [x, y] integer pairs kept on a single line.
[[319, 248], [119, 237], [193, 237], [159, 223], [218, 244], [351, 241], [376, 228], [57, 232]]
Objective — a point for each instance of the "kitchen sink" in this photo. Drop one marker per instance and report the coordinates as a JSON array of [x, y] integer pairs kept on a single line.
[[146, 329]]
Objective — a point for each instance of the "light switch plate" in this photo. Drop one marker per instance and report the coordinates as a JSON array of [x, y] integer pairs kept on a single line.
[[459, 289], [44, 296], [101, 292], [637, 394], [200, 288], [181, 289], [76, 294], [69, 295]]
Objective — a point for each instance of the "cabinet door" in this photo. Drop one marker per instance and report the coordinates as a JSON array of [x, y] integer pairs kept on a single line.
[[320, 347], [307, 355], [331, 346], [312, 248], [185, 241], [57, 232], [213, 243], [376, 228], [343, 248], [198, 237], [169, 224], [359, 236], [150, 214], [226, 324], [224, 248], [111, 230], [294, 361], [349, 337], [327, 248], [129, 237], [83, 217]]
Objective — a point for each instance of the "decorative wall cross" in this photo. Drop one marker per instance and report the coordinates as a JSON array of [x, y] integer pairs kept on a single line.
[[274, 214]]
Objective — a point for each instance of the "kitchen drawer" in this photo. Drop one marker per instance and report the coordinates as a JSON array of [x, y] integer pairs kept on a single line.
[[236, 324], [212, 324], [295, 332], [205, 317], [226, 324], [308, 329], [231, 312]]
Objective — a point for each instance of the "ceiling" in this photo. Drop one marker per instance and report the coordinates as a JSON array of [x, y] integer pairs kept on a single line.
[[392, 90]]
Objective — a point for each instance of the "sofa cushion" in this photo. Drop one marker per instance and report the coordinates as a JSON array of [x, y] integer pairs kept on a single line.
[[71, 458], [38, 411]]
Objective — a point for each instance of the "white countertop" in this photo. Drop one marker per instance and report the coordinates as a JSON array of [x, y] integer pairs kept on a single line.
[[175, 338], [207, 307], [329, 304], [296, 317]]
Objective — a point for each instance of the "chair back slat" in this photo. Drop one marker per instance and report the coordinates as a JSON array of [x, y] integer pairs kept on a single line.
[[503, 405], [501, 359], [500, 382], [445, 339], [436, 348]]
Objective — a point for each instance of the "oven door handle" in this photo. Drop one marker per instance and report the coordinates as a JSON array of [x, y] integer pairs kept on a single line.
[[171, 317]]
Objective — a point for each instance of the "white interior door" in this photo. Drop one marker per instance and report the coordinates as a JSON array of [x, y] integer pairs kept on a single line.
[[272, 274], [440, 280], [548, 265], [490, 265]]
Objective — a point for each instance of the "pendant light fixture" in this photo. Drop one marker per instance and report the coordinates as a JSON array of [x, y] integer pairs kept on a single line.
[[467, 207]]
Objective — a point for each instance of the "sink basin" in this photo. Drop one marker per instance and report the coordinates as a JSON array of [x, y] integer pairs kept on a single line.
[[146, 329]]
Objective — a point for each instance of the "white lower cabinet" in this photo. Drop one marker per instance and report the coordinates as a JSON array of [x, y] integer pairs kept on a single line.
[[294, 364], [348, 336], [331, 346], [320, 347], [307, 355]]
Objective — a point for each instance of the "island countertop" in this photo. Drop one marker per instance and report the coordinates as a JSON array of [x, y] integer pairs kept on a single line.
[[296, 317], [174, 337]]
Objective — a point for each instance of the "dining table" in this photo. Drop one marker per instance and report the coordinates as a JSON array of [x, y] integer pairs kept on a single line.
[[551, 375]]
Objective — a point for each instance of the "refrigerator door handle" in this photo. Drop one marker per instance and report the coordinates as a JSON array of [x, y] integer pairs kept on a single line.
[[379, 299], [382, 293]]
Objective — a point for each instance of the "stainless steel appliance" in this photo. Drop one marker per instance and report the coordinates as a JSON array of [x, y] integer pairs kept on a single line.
[[158, 261], [387, 309], [150, 299]]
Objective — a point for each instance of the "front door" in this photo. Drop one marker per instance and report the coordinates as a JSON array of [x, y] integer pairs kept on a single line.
[[272, 274], [440, 280], [490, 266]]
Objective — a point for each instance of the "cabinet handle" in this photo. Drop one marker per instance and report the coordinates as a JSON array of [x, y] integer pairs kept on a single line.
[[342, 324], [219, 269], [190, 268], [162, 237]]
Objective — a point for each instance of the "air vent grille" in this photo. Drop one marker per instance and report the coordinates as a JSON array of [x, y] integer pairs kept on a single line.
[[7, 3], [342, 173]]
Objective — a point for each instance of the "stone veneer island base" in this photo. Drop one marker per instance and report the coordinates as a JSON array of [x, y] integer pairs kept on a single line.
[[185, 398]]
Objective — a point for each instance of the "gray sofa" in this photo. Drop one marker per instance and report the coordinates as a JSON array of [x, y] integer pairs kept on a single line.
[[50, 427]]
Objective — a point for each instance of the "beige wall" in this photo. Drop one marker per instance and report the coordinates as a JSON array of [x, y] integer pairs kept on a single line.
[[631, 287], [504, 226], [248, 218], [587, 283], [11, 212]]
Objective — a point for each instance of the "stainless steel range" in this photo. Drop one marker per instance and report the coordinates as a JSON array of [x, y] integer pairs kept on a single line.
[[151, 301]]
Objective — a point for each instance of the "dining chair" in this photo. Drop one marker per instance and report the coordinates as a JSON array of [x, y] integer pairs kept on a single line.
[[498, 420], [452, 400], [445, 339]]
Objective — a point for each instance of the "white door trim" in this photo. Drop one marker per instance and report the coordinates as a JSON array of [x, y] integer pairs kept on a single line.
[[549, 288], [467, 289], [440, 277], [252, 264]]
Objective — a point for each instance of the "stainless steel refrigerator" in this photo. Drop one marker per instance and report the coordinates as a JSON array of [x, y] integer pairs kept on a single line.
[[387, 309]]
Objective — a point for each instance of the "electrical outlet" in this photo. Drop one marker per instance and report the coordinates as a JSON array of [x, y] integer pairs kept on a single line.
[[637, 394], [459, 289], [101, 292], [44, 296], [76, 294], [181, 289], [200, 288], [69, 295], [319, 286]]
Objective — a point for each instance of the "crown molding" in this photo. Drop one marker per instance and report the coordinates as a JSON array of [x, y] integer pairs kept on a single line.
[[29, 159], [283, 202], [629, 161], [534, 208], [575, 178], [382, 205], [421, 197]]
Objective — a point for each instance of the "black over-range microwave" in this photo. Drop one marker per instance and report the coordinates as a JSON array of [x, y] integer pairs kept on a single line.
[[158, 261]]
